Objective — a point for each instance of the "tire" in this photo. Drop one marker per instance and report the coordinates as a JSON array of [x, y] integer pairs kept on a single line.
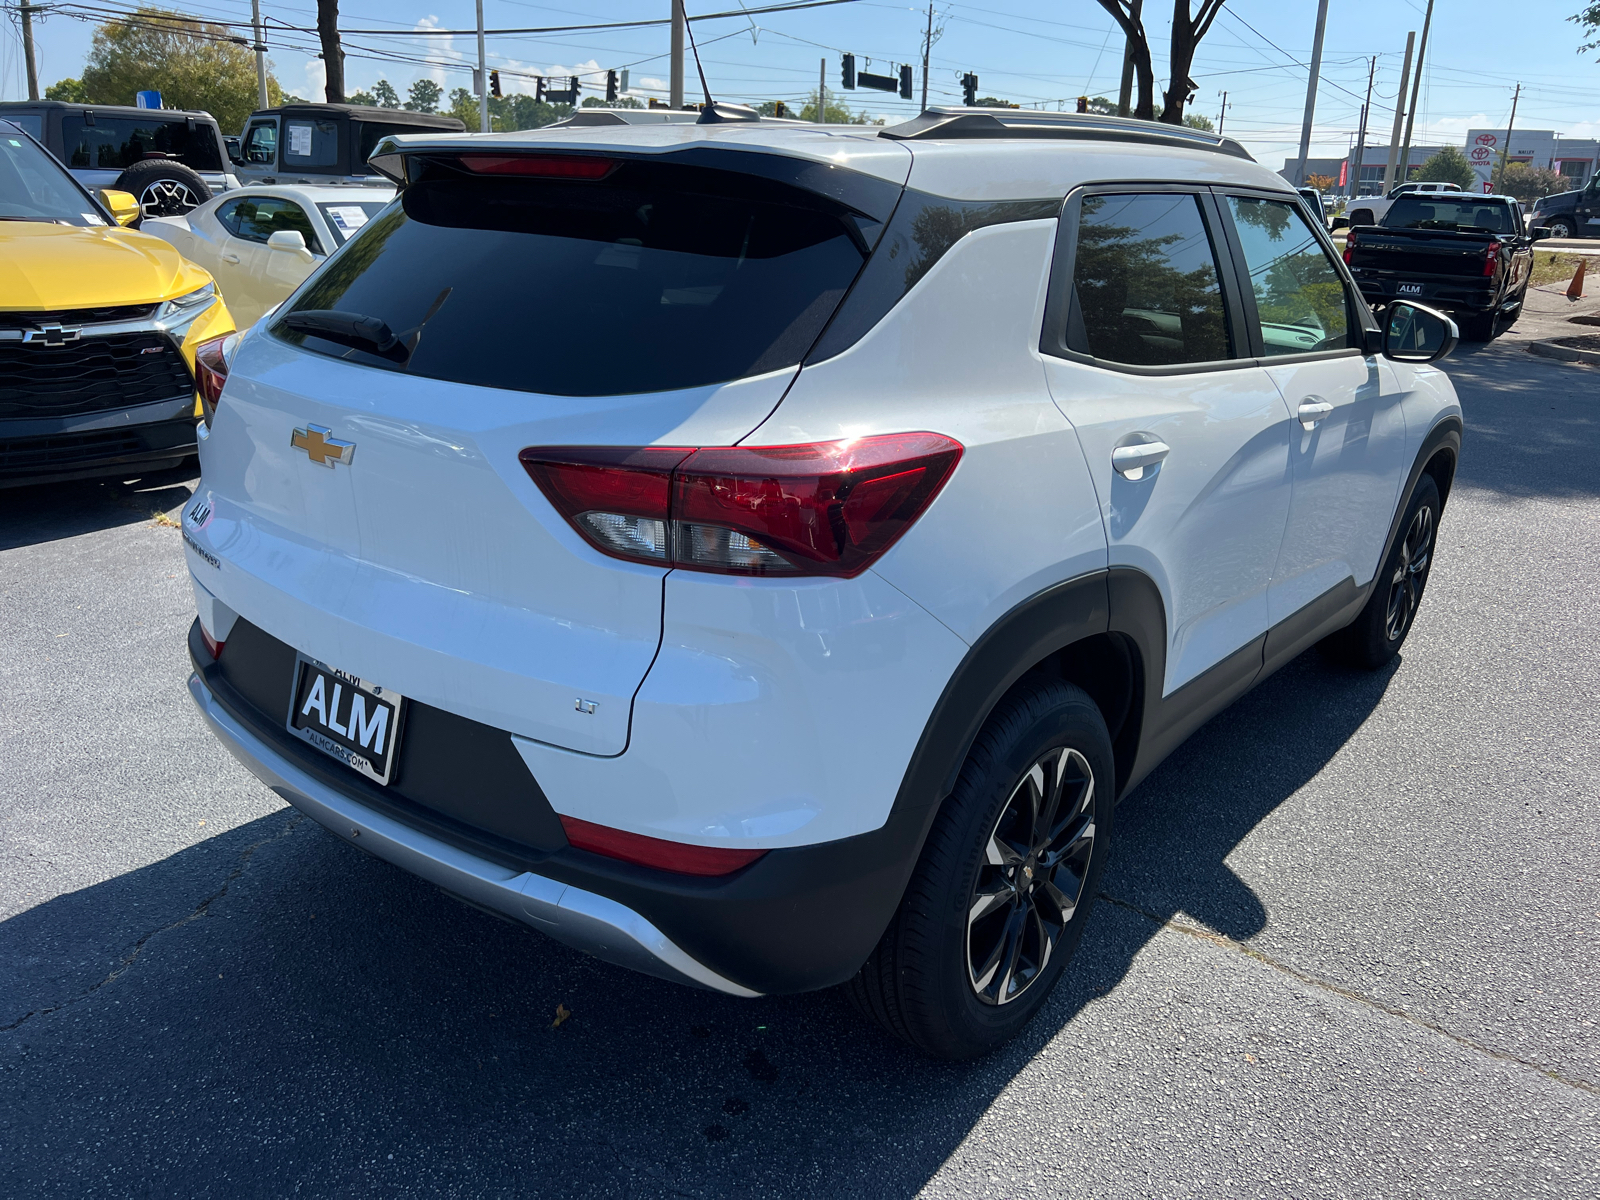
[[956, 986], [1559, 228], [1481, 327], [1377, 634], [164, 188], [1362, 216]]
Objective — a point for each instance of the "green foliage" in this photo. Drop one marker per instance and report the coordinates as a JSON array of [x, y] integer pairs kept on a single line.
[[1589, 21], [70, 90], [424, 96], [464, 107], [1199, 121], [837, 114], [191, 63], [382, 95], [1528, 182], [619, 102], [1448, 165]]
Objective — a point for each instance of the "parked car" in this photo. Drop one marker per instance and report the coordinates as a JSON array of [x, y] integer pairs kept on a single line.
[[170, 159], [325, 144], [1467, 255], [762, 556], [261, 243], [1570, 214], [1369, 210], [99, 327]]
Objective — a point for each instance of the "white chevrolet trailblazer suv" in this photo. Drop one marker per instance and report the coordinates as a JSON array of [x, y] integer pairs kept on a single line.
[[762, 554]]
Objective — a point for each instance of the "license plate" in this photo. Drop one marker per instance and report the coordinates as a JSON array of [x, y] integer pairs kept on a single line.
[[1409, 289], [351, 719]]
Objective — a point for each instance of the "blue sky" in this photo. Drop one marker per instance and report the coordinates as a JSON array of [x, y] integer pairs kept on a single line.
[[1029, 51]]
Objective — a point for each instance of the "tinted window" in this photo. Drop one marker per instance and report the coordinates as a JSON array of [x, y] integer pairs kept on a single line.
[[1146, 284], [345, 217], [310, 143], [34, 124], [116, 143], [256, 220], [33, 187], [1300, 296], [261, 145], [1419, 211], [365, 136], [659, 277]]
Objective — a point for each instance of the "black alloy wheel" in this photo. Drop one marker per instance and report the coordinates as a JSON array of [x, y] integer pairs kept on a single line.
[[1410, 575], [997, 903]]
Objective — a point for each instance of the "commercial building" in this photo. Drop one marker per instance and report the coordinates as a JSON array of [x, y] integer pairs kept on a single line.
[[1373, 162], [1572, 157]]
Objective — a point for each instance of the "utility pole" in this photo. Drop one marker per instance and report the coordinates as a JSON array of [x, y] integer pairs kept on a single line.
[[822, 93], [1222, 114], [1311, 92], [1505, 150], [483, 78], [1399, 115], [27, 49], [927, 47], [1354, 185], [1125, 96], [1416, 86], [261, 55], [675, 87]]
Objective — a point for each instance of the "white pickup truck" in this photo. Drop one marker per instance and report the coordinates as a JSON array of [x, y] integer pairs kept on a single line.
[[1369, 210]]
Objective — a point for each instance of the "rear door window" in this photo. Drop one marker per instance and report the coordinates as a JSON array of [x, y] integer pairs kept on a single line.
[[1146, 282], [658, 276], [310, 143], [116, 143], [1300, 298]]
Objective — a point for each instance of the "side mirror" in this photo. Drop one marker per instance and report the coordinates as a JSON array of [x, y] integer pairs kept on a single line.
[[291, 241], [1538, 233], [123, 206], [1340, 223], [1414, 333]]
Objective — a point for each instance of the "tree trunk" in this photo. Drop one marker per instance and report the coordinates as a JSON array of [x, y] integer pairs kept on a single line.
[[332, 55], [1182, 58], [1139, 48]]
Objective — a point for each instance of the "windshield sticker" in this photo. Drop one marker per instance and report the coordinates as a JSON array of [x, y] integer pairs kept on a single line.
[[348, 217], [91, 218]]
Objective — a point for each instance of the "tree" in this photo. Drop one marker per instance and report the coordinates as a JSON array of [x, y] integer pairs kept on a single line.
[[837, 114], [1528, 182], [191, 63], [1589, 21], [1187, 31], [624, 102], [1321, 182], [382, 95], [332, 54], [423, 96], [464, 108], [993, 102], [70, 90], [1449, 165], [1199, 121]]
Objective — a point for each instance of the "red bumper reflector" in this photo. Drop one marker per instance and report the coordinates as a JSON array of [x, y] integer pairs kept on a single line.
[[214, 646], [656, 852], [548, 166]]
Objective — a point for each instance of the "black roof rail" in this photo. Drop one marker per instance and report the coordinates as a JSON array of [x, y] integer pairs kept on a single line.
[[941, 123]]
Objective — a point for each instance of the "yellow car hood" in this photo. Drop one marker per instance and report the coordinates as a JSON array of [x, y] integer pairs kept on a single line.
[[48, 267]]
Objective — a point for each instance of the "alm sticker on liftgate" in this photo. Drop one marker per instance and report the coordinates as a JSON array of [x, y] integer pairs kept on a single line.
[[346, 717]]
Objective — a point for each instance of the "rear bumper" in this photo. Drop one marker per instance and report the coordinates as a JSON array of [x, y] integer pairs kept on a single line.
[[50, 450], [1451, 295], [582, 919]]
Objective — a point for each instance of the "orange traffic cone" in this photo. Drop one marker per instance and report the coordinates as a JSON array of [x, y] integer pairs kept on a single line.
[[1575, 288]]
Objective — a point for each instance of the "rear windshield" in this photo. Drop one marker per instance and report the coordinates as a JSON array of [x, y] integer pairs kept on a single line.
[[347, 216], [1417, 210], [656, 277], [116, 143]]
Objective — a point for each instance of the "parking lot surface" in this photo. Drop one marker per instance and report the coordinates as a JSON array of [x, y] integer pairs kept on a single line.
[[1349, 941]]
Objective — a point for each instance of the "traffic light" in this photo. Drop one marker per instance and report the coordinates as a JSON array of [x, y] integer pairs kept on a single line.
[[969, 89], [573, 81], [538, 91], [905, 83], [611, 86], [494, 84], [847, 72], [1083, 104], [780, 110]]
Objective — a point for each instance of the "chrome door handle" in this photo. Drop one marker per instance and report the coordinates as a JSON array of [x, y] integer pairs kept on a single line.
[[1312, 410], [230, 258], [1131, 462]]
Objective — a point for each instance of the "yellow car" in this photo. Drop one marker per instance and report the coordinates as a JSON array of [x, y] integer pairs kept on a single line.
[[98, 328]]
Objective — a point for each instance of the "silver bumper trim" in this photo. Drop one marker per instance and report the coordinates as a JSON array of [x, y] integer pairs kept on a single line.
[[583, 920]]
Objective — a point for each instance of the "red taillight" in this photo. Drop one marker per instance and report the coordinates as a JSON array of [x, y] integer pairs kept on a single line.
[[656, 852], [548, 166], [1349, 245], [211, 372], [827, 508], [212, 645], [1491, 258]]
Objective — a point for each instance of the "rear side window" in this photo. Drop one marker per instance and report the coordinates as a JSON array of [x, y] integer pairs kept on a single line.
[[655, 277], [1300, 296], [116, 143], [1146, 282], [310, 143], [256, 220]]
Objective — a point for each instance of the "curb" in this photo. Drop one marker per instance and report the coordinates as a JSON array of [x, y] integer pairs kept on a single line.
[[1564, 353]]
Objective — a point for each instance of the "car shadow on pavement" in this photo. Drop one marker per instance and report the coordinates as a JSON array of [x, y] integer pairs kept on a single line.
[[270, 1011], [51, 511]]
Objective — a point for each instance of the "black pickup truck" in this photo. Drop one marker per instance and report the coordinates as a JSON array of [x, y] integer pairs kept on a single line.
[[1468, 255]]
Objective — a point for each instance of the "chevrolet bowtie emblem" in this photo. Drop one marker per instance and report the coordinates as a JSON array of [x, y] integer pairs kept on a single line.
[[320, 446]]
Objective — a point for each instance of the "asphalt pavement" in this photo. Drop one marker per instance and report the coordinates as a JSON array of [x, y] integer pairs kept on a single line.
[[1348, 946]]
